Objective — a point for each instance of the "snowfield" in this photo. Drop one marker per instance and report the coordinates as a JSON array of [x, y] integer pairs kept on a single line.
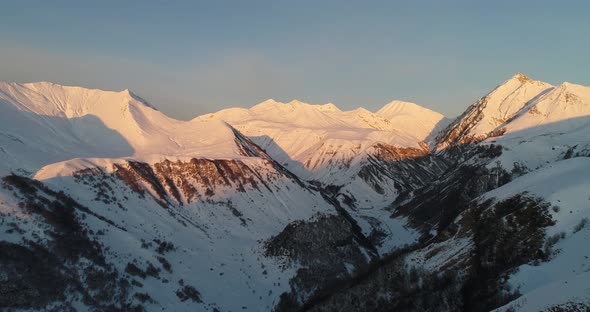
[[564, 278], [114, 205]]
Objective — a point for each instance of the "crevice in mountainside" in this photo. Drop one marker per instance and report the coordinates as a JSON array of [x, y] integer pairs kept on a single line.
[[387, 169], [438, 204], [409, 168]]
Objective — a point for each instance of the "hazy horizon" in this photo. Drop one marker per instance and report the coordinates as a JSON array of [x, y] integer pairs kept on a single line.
[[189, 58]]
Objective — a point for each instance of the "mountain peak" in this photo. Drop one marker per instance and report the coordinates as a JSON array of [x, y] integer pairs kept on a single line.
[[411, 118], [295, 101], [568, 85], [521, 77], [398, 107], [360, 110], [270, 103], [295, 104], [400, 102], [493, 110], [328, 107]]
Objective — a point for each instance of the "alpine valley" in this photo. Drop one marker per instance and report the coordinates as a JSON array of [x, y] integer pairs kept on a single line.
[[107, 204]]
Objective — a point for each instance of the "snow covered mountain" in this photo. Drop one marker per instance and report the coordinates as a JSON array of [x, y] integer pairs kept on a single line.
[[43, 123], [414, 119], [488, 113], [108, 204], [154, 204], [506, 226], [365, 158]]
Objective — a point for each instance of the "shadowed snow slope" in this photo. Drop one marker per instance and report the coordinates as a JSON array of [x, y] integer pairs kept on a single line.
[[106, 203], [175, 214], [492, 110], [518, 104], [325, 144], [559, 281], [44, 123]]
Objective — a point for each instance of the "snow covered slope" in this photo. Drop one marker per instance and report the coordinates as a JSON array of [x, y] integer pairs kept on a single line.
[[324, 144], [544, 147], [365, 159], [491, 111], [551, 127], [506, 226], [411, 118], [175, 213], [44, 123], [566, 101], [389, 125], [107, 203], [562, 279]]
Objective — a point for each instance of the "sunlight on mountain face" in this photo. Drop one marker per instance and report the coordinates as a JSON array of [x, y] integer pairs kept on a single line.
[[290, 206]]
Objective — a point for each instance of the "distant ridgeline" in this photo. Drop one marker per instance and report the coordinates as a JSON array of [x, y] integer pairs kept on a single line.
[[108, 204]]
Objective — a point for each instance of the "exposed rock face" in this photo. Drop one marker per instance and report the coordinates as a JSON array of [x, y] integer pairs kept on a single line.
[[327, 248], [407, 168], [458, 132], [199, 179], [445, 198], [484, 117], [341, 252], [356, 216]]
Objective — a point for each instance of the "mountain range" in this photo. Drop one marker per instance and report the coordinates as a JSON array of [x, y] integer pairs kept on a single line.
[[107, 204]]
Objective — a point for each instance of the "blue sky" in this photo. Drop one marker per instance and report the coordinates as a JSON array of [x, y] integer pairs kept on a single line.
[[193, 57]]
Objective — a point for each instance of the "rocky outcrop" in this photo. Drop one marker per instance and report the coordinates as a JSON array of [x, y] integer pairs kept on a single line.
[[408, 168], [198, 179], [341, 251], [486, 116], [502, 236]]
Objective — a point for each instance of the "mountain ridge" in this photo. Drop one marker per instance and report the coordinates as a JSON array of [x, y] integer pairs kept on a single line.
[[491, 111], [294, 206]]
